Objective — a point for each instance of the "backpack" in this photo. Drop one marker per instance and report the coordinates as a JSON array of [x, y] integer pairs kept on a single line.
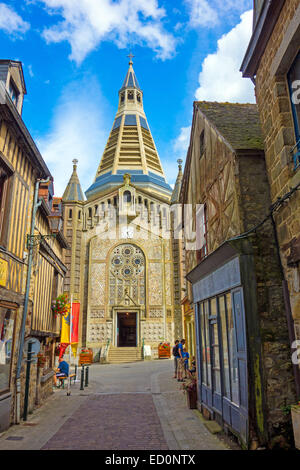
[[175, 351]]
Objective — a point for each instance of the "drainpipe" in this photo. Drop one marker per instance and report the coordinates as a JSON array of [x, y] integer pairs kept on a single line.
[[36, 205]]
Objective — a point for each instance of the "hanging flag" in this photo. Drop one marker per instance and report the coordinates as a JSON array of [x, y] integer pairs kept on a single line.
[[65, 330], [75, 324]]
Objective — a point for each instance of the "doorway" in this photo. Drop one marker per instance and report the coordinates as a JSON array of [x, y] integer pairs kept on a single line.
[[126, 330]]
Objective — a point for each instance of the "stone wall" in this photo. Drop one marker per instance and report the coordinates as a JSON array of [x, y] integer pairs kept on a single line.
[[277, 381], [278, 128]]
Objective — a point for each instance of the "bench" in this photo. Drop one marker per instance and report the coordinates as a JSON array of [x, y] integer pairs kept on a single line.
[[62, 380]]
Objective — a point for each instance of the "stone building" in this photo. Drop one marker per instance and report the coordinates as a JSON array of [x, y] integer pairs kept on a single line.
[[272, 61], [24, 180], [121, 261], [243, 356]]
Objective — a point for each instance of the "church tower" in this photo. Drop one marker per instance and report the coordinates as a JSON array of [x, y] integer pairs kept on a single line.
[[125, 250]]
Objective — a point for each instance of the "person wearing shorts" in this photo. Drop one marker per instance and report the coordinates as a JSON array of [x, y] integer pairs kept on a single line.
[[62, 370], [180, 361]]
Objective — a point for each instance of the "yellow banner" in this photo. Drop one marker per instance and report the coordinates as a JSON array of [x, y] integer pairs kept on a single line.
[[3, 272], [65, 329]]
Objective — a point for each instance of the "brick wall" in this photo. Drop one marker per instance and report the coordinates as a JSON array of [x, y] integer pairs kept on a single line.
[[278, 129]]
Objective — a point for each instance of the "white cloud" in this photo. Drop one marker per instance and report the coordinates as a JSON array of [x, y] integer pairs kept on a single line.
[[30, 71], [208, 13], [86, 23], [220, 79], [180, 147], [79, 130], [11, 22], [201, 13], [181, 143]]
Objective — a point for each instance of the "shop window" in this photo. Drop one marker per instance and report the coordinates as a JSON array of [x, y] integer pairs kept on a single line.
[[234, 372], [7, 323], [225, 347], [217, 334], [294, 88]]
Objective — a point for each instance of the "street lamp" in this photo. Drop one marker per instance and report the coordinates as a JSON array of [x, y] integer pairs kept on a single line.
[[55, 222]]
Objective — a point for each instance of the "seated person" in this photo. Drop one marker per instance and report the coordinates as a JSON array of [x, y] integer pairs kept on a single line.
[[62, 370], [192, 371]]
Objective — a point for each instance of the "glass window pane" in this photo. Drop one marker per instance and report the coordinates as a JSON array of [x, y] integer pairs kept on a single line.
[[225, 347], [207, 341], [6, 341], [232, 354], [203, 347], [294, 77], [216, 358]]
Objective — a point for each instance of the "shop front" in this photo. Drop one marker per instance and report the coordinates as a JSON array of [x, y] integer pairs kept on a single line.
[[221, 341], [7, 334]]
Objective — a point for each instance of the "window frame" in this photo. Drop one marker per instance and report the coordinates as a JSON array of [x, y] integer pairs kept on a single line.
[[296, 120], [5, 201]]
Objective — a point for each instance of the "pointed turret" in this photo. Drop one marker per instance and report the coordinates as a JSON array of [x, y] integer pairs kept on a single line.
[[73, 191], [177, 187], [130, 147]]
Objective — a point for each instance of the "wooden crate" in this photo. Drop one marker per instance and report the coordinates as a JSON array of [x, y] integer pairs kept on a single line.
[[86, 357], [164, 352]]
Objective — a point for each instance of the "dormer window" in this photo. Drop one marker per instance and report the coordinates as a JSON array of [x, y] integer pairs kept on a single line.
[[13, 92], [130, 95]]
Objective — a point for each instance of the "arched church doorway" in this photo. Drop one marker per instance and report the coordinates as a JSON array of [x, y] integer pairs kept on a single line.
[[127, 281]]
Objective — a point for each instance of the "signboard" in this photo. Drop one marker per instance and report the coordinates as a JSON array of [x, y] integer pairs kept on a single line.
[[3, 272], [35, 347]]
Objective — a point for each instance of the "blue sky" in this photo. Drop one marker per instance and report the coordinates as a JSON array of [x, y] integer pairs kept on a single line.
[[74, 54]]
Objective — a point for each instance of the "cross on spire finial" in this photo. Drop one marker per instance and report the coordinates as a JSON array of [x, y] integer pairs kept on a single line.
[[131, 56], [75, 161]]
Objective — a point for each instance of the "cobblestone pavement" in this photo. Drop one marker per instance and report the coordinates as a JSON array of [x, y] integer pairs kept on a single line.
[[125, 407], [116, 422]]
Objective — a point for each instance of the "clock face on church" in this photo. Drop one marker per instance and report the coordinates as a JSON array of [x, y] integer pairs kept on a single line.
[[127, 232]]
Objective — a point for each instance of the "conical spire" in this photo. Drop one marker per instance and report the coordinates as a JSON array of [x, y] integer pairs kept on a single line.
[[177, 187], [130, 147], [73, 191]]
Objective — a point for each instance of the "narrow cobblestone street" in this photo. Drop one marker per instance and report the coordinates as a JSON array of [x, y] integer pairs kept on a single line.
[[136, 406]]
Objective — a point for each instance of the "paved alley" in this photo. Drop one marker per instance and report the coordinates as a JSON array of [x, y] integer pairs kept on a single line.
[[136, 406]]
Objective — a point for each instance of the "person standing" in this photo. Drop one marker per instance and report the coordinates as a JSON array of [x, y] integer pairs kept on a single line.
[[186, 357], [180, 367], [176, 355]]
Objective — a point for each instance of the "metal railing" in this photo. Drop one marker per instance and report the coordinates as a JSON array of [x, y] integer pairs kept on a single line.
[[296, 155]]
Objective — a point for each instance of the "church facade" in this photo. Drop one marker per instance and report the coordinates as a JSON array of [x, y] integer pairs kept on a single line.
[[122, 266]]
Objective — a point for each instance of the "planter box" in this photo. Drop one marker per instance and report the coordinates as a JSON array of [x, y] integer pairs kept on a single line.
[[192, 399], [295, 410]]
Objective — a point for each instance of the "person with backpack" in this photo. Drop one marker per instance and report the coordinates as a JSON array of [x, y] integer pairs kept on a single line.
[[176, 356]]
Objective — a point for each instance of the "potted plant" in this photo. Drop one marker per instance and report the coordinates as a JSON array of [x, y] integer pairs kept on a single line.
[[41, 360], [190, 387], [61, 305]]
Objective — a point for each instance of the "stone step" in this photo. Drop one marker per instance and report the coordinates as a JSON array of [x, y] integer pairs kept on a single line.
[[122, 355]]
